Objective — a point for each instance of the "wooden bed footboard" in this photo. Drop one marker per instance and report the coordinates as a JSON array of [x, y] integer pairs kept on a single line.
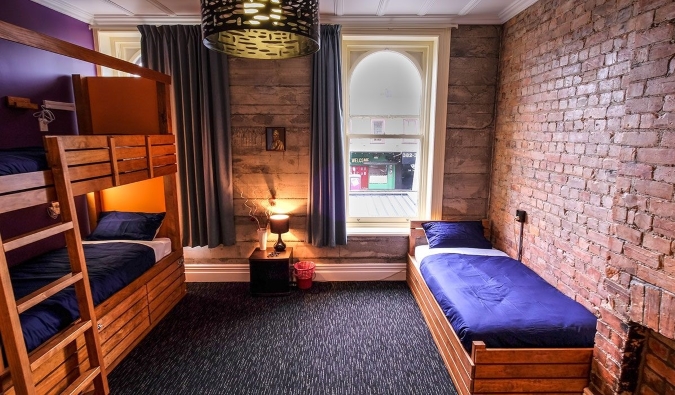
[[496, 371]]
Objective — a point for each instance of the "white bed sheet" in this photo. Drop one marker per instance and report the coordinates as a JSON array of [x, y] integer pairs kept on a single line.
[[161, 245], [422, 251]]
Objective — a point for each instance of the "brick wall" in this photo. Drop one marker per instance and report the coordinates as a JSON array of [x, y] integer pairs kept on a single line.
[[584, 143], [658, 374]]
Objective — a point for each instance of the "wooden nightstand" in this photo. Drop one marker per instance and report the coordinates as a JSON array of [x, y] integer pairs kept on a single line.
[[270, 275]]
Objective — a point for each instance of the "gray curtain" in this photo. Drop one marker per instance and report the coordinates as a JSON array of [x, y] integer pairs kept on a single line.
[[201, 92], [327, 225]]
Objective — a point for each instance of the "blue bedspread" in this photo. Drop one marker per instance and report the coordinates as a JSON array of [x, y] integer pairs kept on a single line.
[[22, 160], [111, 267], [503, 303]]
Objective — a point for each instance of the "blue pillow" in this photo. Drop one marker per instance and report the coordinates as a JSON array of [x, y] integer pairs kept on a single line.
[[467, 234], [119, 225]]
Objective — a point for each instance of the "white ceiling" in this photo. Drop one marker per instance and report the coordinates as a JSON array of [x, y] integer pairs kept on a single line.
[[110, 13]]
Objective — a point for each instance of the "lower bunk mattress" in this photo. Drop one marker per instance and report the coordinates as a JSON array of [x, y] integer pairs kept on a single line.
[[498, 300], [22, 160], [111, 266]]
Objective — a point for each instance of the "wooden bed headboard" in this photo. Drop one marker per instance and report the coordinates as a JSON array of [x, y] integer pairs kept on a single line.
[[417, 236]]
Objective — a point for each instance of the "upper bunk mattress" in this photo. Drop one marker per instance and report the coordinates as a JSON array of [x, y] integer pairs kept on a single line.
[[500, 301], [22, 160], [111, 267]]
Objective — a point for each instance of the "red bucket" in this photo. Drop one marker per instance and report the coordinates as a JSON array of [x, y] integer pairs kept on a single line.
[[304, 273]]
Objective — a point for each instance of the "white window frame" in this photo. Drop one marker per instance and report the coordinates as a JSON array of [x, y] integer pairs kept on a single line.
[[121, 44], [432, 151]]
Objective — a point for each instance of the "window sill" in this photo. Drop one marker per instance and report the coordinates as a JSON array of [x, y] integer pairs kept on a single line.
[[377, 231]]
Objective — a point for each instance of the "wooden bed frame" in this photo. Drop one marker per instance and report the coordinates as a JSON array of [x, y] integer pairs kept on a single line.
[[91, 164], [495, 370]]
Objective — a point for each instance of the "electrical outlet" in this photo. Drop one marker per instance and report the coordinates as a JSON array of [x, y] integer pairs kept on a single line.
[[520, 215]]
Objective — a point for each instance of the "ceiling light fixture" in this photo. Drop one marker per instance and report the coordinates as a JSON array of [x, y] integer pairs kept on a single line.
[[261, 29]]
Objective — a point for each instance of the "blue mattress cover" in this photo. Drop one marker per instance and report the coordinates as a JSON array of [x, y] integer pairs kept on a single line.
[[111, 266], [503, 303], [22, 160]]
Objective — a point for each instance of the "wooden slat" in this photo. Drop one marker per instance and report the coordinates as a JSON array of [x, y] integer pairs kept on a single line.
[[159, 150], [165, 170], [130, 152], [66, 367], [97, 184], [37, 235], [47, 291], [24, 181], [113, 161], [516, 385], [83, 381], [85, 172], [119, 309], [126, 336], [156, 281], [58, 342], [535, 355], [128, 178], [165, 292], [83, 105], [71, 143], [148, 153], [132, 165], [140, 306], [25, 199], [76, 158], [162, 139], [130, 140], [163, 160], [533, 371], [42, 41]]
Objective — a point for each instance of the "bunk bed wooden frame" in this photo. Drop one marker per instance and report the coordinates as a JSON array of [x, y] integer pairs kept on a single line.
[[89, 164], [495, 370]]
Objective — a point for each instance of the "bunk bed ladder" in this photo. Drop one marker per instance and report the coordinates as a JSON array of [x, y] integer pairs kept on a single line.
[[20, 364]]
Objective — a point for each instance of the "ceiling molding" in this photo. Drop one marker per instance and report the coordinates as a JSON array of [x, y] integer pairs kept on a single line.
[[514, 9], [382, 7], [339, 7], [390, 21], [425, 7], [162, 7], [112, 3], [111, 22], [67, 9], [469, 7]]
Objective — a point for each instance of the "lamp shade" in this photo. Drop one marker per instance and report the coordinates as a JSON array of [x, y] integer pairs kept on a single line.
[[279, 223], [261, 29]]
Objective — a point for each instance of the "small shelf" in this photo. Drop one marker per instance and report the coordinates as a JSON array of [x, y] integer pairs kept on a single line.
[[21, 102]]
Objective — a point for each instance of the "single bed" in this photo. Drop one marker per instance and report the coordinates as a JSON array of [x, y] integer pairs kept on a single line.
[[112, 265], [499, 327], [22, 160]]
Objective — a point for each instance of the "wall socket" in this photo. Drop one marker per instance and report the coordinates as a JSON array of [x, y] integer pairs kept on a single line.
[[520, 215]]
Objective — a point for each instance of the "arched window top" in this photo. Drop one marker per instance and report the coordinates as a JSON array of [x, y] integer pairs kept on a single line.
[[385, 83]]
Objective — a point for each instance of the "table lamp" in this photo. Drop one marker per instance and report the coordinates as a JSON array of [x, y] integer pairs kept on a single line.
[[279, 225]]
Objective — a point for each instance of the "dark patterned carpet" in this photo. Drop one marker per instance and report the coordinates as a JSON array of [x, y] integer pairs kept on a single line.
[[342, 338]]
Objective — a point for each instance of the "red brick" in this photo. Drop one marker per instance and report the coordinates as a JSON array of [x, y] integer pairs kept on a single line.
[[643, 221], [652, 307], [640, 170], [663, 226], [663, 209], [660, 33], [654, 188], [629, 234], [659, 156], [657, 244], [644, 105], [657, 68], [642, 255], [637, 302], [664, 13], [667, 327], [637, 139], [669, 265]]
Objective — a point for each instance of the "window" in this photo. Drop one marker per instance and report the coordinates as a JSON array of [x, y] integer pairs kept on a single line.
[[125, 45], [393, 86]]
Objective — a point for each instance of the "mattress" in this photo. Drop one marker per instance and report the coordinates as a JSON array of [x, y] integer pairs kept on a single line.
[[22, 160], [500, 301], [111, 266]]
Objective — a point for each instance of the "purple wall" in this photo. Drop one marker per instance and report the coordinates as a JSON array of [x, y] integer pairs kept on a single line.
[[37, 75]]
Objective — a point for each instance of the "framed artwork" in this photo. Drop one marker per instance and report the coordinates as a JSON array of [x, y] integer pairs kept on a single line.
[[276, 139]]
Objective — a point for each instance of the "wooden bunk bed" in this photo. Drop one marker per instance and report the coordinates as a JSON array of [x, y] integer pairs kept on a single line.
[[77, 359], [495, 370]]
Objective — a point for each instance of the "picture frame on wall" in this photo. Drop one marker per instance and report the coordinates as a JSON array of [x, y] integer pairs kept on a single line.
[[275, 138]]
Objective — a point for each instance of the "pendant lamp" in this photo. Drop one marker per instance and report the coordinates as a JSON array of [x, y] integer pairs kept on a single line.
[[261, 29]]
